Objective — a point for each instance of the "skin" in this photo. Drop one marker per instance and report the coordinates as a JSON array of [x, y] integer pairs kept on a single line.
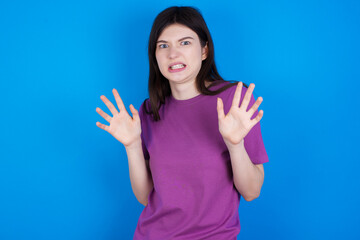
[[122, 126], [237, 123], [234, 126], [178, 43]]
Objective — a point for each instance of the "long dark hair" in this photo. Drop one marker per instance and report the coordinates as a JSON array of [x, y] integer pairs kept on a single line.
[[159, 87]]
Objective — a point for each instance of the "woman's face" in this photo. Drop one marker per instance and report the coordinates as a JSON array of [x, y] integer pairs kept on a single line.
[[179, 54]]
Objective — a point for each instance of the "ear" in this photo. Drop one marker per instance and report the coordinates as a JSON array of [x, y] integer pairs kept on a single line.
[[205, 51]]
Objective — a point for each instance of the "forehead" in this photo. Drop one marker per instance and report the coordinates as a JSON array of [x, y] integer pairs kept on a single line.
[[177, 31]]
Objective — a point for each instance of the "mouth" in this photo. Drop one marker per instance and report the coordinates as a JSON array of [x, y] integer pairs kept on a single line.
[[177, 67]]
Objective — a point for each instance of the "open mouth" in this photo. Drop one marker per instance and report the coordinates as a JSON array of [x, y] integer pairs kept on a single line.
[[177, 67]]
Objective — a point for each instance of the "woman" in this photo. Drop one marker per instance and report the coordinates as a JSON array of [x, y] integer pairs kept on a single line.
[[189, 163]]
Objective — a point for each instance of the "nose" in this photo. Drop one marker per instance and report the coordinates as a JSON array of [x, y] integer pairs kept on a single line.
[[173, 52]]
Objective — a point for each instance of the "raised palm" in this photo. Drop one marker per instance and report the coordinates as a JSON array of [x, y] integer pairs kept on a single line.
[[237, 123], [123, 127]]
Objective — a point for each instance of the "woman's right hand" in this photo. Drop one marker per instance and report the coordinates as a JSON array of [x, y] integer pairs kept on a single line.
[[122, 126]]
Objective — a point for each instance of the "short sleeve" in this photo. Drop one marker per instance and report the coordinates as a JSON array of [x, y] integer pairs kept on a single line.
[[253, 141], [143, 121]]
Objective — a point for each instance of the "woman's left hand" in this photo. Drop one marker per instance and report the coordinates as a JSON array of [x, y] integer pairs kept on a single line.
[[237, 123]]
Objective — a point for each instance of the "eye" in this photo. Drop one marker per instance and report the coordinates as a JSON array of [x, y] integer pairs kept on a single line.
[[185, 43], [163, 45]]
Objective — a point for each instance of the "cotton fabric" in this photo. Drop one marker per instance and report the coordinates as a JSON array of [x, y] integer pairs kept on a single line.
[[194, 196]]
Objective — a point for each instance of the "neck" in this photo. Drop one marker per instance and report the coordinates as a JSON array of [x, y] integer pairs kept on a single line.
[[184, 91]]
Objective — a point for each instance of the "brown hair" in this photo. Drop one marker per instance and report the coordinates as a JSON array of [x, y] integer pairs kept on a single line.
[[159, 87]]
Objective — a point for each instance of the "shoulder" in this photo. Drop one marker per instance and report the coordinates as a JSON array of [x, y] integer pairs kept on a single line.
[[227, 89], [228, 94], [144, 108], [145, 105]]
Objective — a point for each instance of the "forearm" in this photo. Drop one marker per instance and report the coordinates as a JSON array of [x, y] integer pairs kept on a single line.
[[140, 175], [248, 178]]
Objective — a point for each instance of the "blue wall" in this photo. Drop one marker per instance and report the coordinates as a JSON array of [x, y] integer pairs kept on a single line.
[[61, 177]]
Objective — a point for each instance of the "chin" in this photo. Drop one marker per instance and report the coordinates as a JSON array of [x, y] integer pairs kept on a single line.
[[177, 79]]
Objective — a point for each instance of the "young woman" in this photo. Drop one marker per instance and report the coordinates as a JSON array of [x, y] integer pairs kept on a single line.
[[189, 162]]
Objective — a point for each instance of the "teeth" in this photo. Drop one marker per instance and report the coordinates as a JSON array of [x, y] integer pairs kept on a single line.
[[177, 66]]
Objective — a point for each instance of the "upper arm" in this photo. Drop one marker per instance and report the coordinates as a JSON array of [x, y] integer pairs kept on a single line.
[[261, 168]]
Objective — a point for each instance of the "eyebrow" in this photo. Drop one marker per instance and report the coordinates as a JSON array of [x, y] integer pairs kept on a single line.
[[181, 39]]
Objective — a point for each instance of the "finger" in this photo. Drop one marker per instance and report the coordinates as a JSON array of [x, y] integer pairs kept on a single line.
[[118, 100], [134, 112], [103, 114], [109, 105], [102, 126], [258, 117], [237, 95], [220, 109], [247, 97], [255, 106]]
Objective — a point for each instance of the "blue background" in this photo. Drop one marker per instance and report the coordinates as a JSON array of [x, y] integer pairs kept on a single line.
[[62, 177]]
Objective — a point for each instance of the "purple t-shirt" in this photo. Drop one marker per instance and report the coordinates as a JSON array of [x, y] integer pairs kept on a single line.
[[194, 196]]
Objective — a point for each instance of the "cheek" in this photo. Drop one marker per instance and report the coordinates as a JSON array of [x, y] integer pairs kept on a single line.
[[197, 58], [161, 63], [159, 60], [196, 54]]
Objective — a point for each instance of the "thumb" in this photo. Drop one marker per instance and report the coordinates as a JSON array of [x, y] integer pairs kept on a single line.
[[220, 109], [134, 112]]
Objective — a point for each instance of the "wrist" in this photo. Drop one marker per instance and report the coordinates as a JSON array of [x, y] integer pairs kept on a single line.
[[236, 146], [134, 145]]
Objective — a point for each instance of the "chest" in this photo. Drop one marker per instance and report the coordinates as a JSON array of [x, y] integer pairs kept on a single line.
[[186, 138]]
